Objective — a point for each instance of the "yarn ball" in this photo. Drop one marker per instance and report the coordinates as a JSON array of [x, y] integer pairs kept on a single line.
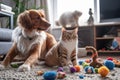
[[103, 71], [61, 75], [109, 64], [84, 64], [40, 73], [81, 62], [81, 76], [14, 65], [60, 69], [87, 60], [96, 70], [77, 67], [50, 75], [89, 69], [72, 69], [110, 58]]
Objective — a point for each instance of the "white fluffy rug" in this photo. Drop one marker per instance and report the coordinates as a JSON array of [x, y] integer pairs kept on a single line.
[[12, 74]]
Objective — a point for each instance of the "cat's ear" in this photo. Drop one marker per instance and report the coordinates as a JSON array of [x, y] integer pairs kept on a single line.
[[63, 29]]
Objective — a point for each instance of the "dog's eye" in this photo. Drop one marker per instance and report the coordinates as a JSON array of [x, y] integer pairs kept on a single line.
[[42, 16]]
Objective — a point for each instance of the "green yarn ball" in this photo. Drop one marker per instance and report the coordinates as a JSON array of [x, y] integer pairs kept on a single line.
[[84, 64], [96, 70]]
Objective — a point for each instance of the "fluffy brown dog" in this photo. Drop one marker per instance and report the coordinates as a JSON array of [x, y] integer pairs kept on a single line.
[[30, 39]]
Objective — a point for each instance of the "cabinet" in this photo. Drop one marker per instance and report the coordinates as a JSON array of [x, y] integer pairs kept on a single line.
[[100, 36], [85, 36], [10, 15], [104, 34]]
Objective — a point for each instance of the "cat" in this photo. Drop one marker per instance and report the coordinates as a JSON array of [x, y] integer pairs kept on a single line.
[[69, 18], [64, 53]]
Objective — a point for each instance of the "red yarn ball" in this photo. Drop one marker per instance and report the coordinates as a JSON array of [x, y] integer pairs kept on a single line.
[[110, 58]]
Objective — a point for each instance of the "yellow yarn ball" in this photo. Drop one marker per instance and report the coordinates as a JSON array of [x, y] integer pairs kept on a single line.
[[103, 71]]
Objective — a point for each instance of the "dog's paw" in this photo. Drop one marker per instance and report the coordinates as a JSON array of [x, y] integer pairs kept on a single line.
[[2, 67], [24, 67]]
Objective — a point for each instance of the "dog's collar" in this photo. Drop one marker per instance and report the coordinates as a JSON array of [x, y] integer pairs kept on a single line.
[[27, 37], [40, 29], [30, 38]]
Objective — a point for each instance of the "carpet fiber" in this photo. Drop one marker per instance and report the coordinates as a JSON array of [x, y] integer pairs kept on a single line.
[[12, 74]]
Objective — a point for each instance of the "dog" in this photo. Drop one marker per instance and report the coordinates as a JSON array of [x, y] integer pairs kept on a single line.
[[31, 40], [69, 19]]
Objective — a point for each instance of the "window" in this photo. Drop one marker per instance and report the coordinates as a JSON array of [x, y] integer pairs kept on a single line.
[[61, 6]]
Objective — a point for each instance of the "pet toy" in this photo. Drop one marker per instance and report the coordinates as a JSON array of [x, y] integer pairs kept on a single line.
[[60, 69], [87, 60], [116, 62], [103, 71], [61, 75], [72, 69], [14, 65], [89, 70], [109, 64], [40, 73], [96, 70], [77, 67], [81, 76], [84, 64], [81, 62], [110, 58], [50, 75], [94, 62]]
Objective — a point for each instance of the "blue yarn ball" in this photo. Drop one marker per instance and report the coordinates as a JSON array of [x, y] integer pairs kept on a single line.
[[50, 75], [109, 64], [89, 69], [81, 76], [81, 62]]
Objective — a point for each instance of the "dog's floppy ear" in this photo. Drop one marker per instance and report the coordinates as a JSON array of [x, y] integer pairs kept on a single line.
[[24, 20], [42, 11]]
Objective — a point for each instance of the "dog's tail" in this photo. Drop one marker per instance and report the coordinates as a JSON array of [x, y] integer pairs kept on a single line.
[[57, 23]]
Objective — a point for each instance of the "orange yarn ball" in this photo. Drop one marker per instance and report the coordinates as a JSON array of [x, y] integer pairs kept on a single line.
[[103, 71], [77, 67], [87, 60]]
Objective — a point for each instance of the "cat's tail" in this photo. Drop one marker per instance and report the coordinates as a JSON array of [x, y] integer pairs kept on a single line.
[[93, 50]]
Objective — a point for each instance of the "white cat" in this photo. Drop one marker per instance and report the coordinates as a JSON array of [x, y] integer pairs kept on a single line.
[[69, 18]]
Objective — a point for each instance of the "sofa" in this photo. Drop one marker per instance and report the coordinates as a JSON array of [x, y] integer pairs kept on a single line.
[[5, 40]]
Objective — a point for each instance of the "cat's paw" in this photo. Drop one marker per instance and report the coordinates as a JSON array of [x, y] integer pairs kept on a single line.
[[66, 68], [24, 67], [2, 67]]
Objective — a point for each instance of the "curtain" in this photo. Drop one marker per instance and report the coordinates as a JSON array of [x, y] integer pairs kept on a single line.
[[39, 4], [44, 6], [49, 7]]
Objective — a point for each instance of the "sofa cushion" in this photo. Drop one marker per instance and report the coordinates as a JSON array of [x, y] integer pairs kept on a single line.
[[5, 47], [5, 34]]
